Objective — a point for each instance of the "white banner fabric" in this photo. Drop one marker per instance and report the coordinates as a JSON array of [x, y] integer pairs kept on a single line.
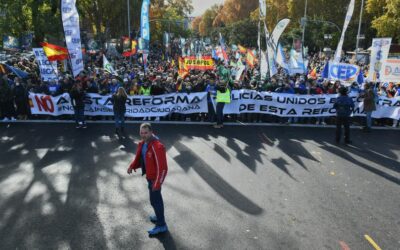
[[137, 106], [48, 70], [379, 54], [70, 19], [391, 70], [350, 10], [289, 105]]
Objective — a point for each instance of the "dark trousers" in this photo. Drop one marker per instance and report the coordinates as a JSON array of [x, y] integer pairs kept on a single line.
[[211, 112], [157, 203], [220, 113], [7, 109], [342, 121], [119, 119], [79, 115]]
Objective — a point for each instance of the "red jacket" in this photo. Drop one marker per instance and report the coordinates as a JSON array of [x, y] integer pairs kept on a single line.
[[156, 162]]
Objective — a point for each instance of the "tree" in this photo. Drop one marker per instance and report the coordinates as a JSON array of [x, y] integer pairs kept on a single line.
[[386, 17], [196, 24], [235, 10], [207, 20]]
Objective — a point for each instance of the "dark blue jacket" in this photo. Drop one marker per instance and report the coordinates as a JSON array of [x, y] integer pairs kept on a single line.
[[344, 105]]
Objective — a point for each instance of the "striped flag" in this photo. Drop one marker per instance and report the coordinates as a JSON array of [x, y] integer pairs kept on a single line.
[[54, 52]]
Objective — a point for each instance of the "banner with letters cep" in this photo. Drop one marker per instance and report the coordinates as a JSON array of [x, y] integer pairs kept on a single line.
[[136, 106], [344, 72], [48, 70], [289, 105], [198, 63]]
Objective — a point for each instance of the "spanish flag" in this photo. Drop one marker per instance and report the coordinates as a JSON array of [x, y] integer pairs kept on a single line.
[[183, 72], [134, 47], [250, 58], [54, 52], [242, 49]]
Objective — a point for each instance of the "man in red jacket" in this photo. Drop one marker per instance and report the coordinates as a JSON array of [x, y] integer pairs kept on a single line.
[[151, 157]]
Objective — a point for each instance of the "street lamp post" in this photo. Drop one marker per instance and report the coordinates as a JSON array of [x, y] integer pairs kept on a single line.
[[359, 27], [304, 23], [129, 19]]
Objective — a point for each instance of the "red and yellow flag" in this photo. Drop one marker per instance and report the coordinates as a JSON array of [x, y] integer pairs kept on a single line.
[[242, 49], [183, 72], [250, 58], [199, 63], [54, 52]]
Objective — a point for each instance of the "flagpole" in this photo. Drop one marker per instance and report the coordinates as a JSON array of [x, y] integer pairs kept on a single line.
[[304, 24], [359, 28]]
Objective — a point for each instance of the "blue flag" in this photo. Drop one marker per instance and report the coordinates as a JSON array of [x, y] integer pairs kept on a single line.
[[214, 54], [325, 72], [17, 72], [144, 24], [360, 77]]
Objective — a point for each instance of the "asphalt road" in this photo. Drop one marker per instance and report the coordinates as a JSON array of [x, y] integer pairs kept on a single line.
[[241, 187]]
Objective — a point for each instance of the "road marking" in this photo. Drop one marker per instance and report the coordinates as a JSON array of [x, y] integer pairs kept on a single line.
[[372, 242], [344, 246]]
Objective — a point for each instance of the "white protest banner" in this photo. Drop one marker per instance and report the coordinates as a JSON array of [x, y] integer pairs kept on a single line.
[[70, 19], [391, 70], [137, 106], [48, 70], [289, 105], [350, 10], [379, 54]]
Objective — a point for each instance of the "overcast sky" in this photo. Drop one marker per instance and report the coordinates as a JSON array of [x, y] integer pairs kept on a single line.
[[201, 5]]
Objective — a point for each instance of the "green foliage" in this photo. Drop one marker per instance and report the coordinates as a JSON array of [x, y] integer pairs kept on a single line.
[[103, 18], [386, 17], [324, 16]]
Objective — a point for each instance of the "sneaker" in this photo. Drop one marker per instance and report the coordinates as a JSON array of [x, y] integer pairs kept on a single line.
[[158, 230], [84, 126], [78, 126], [217, 126], [13, 119], [153, 218], [323, 123]]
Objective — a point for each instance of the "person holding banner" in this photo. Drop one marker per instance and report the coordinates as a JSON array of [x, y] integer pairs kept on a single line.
[[369, 106], [119, 107], [223, 96], [344, 106], [77, 95]]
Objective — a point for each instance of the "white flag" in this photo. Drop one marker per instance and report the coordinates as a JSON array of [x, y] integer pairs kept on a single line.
[[107, 66], [349, 14], [263, 9], [263, 65], [70, 19]]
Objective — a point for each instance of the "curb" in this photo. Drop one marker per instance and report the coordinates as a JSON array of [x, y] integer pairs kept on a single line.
[[199, 123]]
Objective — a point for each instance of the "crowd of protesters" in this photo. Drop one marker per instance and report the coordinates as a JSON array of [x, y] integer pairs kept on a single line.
[[161, 77]]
